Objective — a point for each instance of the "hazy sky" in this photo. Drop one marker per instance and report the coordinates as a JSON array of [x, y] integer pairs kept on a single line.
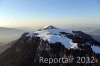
[[24, 13]]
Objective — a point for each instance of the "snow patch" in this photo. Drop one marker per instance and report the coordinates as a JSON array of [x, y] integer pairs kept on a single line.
[[54, 35], [96, 49], [54, 31], [30, 34]]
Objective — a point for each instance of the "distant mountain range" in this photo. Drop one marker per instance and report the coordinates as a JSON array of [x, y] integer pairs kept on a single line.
[[96, 37], [9, 34], [95, 34], [52, 42], [5, 28], [9, 30], [84, 29]]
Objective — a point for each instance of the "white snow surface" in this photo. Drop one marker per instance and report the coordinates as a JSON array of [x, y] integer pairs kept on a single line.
[[54, 31], [30, 34], [53, 36], [96, 49]]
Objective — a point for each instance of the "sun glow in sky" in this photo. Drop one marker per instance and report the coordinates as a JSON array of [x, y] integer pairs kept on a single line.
[[21, 13]]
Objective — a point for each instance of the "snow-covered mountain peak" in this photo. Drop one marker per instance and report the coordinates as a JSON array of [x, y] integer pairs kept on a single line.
[[53, 30], [53, 35], [49, 27]]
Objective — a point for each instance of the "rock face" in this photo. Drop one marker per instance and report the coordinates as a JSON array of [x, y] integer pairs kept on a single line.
[[30, 48]]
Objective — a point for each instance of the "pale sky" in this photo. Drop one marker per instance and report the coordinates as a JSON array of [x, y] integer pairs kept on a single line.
[[28, 13]]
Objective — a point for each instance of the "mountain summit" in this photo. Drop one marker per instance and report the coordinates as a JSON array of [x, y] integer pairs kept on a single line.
[[53, 35], [51, 42], [49, 27]]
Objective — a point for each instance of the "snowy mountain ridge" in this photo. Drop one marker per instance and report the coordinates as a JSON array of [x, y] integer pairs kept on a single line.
[[53, 35]]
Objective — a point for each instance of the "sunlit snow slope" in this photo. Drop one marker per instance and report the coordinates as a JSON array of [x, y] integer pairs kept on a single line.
[[53, 35]]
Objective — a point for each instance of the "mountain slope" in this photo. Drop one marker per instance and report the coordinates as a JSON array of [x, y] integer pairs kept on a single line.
[[3, 47], [50, 43]]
